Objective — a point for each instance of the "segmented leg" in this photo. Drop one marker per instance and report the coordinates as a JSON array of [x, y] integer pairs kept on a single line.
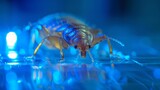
[[99, 39], [42, 34], [109, 44], [91, 56], [62, 54], [60, 48], [55, 41], [39, 45]]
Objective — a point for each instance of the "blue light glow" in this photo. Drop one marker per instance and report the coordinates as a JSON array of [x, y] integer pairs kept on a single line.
[[70, 80], [13, 63], [22, 52], [39, 27], [73, 51], [12, 55], [127, 57], [7, 67], [27, 27], [57, 77], [11, 39], [106, 48], [96, 46], [120, 54], [11, 79], [156, 73], [113, 73], [19, 81]]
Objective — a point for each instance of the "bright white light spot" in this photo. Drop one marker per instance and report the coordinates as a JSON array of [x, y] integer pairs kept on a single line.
[[11, 39], [12, 55], [13, 63]]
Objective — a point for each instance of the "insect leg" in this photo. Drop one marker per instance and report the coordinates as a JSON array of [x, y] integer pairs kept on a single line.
[[39, 45], [63, 44], [99, 39], [110, 50], [90, 55], [110, 46], [95, 31], [117, 41], [58, 43], [61, 48], [42, 34]]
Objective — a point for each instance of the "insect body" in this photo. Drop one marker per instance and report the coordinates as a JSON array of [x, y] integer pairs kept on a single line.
[[62, 31]]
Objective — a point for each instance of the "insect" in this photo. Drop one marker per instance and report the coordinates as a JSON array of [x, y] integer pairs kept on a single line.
[[62, 31]]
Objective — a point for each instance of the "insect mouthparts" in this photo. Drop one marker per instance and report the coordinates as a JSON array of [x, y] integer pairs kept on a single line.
[[83, 54]]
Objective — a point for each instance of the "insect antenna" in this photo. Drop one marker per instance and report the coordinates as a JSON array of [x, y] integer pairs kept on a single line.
[[117, 41]]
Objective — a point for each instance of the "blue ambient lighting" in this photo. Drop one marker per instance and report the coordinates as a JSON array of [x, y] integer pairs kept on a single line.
[[11, 79], [27, 27], [156, 73], [96, 46], [7, 67], [19, 81], [39, 27], [12, 55], [73, 51], [11, 39], [70, 80], [127, 57], [13, 63], [57, 77]]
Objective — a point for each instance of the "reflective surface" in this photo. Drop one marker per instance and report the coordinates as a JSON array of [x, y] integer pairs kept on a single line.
[[38, 74], [134, 67]]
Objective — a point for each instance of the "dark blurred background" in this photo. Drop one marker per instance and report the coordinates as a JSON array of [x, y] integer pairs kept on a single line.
[[134, 22]]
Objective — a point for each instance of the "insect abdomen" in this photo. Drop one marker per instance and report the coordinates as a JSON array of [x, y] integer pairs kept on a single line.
[[74, 35], [69, 34], [72, 29]]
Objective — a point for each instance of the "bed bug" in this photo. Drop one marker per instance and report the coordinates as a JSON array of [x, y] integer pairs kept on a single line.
[[62, 31]]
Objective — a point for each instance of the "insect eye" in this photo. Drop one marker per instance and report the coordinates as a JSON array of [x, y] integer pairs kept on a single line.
[[89, 46], [75, 46]]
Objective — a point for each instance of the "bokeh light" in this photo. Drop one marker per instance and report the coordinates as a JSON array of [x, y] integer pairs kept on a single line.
[[11, 39], [12, 54]]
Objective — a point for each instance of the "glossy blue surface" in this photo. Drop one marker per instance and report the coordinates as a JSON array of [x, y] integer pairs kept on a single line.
[[45, 74], [135, 66]]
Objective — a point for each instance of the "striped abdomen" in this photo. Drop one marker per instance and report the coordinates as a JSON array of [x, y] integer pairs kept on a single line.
[[75, 35], [72, 30]]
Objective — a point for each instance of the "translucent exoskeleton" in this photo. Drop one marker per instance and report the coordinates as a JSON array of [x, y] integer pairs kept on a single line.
[[62, 31]]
